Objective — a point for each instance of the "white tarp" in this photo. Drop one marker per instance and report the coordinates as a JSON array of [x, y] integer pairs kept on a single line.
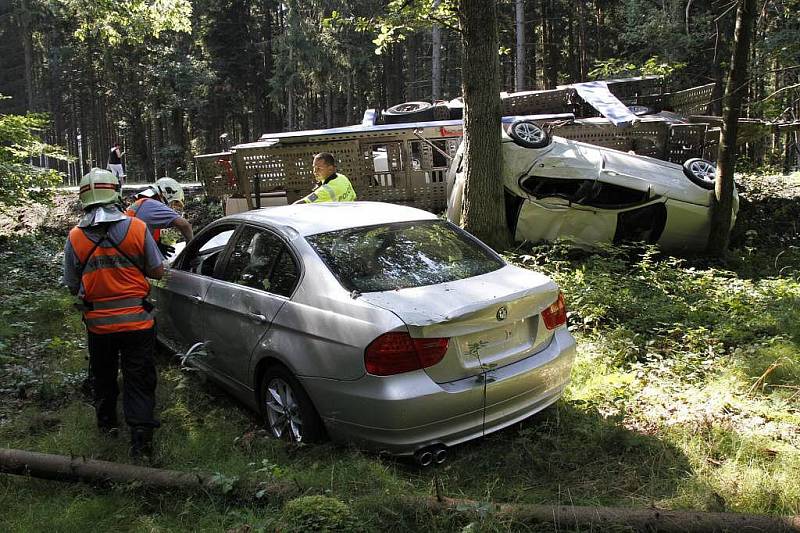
[[596, 93]]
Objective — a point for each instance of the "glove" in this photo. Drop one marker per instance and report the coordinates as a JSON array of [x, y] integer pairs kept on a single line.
[[165, 249]]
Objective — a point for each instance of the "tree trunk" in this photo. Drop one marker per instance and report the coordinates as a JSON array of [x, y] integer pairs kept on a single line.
[[519, 70], [348, 112], [436, 59], [574, 518], [582, 48], [61, 468], [27, 45], [736, 87], [483, 211], [550, 51], [572, 44]]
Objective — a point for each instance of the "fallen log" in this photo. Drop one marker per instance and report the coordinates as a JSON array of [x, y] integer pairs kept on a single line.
[[61, 468], [571, 517], [104, 473]]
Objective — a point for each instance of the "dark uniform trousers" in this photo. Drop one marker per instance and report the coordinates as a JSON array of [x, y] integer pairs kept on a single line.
[[134, 349]]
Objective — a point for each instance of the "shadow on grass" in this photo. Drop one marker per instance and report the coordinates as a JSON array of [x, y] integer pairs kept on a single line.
[[565, 455]]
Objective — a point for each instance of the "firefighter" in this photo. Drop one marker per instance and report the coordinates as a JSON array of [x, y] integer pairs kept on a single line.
[[158, 206], [107, 258], [332, 187]]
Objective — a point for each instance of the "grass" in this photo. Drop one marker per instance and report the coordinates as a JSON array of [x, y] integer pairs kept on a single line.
[[685, 395]]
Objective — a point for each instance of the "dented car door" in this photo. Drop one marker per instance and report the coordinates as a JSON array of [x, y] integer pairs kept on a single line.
[[239, 307]]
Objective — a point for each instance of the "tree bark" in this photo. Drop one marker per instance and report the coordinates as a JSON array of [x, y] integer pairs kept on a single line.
[[722, 204], [80, 469], [483, 211], [436, 59], [568, 517], [27, 45], [62, 468], [519, 70]]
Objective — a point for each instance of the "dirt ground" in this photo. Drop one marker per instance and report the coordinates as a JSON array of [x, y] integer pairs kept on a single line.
[[65, 211], [62, 213]]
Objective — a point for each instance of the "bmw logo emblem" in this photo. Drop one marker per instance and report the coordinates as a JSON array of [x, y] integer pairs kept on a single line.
[[502, 313]]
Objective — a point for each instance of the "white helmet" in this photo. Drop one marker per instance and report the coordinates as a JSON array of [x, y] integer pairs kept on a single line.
[[99, 187], [170, 190]]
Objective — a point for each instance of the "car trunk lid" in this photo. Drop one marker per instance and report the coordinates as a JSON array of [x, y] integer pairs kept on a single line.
[[491, 320]]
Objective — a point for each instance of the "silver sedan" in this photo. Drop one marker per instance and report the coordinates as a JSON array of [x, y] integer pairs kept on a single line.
[[370, 323], [562, 189]]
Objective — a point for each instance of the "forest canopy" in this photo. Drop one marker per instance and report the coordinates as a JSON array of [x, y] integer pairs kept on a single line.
[[168, 77]]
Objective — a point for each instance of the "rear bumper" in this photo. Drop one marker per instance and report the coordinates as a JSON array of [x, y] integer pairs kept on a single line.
[[401, 414]]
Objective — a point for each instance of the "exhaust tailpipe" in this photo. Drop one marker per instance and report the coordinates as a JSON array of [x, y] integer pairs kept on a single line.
[[424, 457], [440, 455], [436, 454]]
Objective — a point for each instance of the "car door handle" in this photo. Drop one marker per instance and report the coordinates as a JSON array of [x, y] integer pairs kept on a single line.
[[195, 299], [258, 317]]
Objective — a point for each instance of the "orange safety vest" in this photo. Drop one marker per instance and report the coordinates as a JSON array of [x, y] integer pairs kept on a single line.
[[114, 287], [134, 209]]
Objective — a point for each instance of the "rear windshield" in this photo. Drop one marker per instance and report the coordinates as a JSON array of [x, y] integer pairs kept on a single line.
[[399, 256]]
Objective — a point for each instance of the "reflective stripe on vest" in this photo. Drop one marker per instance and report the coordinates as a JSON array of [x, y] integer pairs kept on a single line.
[[113, 286], [112, 320], [331, 192], [133, 211], [117, 304], [97, 262], [338, 189]]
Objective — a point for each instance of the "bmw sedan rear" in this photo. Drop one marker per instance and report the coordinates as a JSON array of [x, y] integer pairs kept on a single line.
[[375, 324]]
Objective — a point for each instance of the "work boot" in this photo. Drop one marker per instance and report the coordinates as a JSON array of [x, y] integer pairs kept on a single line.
[[141, 443], [108, 426]]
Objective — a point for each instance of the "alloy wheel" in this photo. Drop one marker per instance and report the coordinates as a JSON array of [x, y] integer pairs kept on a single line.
[[283, 411], [529, 132], [704, 170]]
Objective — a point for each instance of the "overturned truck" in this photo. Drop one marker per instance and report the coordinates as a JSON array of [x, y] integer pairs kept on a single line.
[[401, 155]]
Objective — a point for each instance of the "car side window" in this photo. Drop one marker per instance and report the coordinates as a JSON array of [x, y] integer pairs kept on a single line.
[[611, 196], [541, 187], [260, 260], [203, 252], [284, 275]]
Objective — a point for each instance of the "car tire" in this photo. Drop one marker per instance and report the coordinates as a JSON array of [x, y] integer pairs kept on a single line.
[[408, 112], [286, 409], [641, 110], [529, 134], [701, 172]]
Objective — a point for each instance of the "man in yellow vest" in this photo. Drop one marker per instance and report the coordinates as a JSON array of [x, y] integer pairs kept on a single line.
[[332, 187], [107, 260]]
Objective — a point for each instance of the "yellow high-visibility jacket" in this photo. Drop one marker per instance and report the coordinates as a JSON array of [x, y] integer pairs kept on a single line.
[[336, 188]]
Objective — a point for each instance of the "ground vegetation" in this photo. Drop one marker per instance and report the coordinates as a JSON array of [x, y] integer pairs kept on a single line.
[[685, 395]]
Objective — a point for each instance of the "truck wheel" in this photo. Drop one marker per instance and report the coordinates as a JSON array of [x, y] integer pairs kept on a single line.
[[408, 112]]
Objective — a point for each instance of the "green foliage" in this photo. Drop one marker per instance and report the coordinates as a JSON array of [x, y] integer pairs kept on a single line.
[[403, 17], [131, 22], [317, 513], [614, 67], [202, 211], [20, 142], [611, 68]]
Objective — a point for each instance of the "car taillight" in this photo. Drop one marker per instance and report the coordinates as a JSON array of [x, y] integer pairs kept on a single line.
[[396, 352], [556, 314]]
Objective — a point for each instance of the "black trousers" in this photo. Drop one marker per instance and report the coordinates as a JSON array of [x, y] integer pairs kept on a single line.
[[136, 351]]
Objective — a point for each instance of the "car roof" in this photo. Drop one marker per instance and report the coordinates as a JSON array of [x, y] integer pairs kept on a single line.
[[309, 219]]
